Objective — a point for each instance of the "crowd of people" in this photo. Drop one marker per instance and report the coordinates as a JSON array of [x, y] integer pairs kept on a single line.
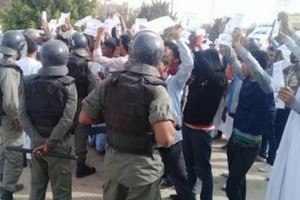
[[151, 107]]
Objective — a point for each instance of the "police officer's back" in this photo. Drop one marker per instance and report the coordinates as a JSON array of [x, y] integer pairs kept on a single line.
[[85, 81], [10, 132], [78, 65], [47, 112], [137, 111]]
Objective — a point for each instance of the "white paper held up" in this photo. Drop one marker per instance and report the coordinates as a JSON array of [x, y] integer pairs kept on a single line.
[[190, 21], [44, 15], [160, 24], [278, 83], [138, 23], [52, 26], [83, 21], [91, 27], [227, 127], [236, 21], [276, 28], [225, 39], [62, 19]]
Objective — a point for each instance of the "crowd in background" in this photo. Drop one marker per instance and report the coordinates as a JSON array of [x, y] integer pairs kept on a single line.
[[208, 85]]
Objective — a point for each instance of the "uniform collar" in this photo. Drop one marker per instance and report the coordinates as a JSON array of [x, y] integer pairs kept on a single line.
[[53, 71], [7, 62], [140, 68]]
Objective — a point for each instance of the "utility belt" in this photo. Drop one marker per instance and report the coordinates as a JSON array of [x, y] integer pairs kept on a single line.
[[138, 144], [245, 142]]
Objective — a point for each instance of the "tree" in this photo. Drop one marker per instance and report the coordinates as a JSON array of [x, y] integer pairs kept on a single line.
[[5, 4], [155, 10], [27, 13]]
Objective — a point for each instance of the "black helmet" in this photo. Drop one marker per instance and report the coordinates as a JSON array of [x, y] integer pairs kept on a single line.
[[79, 44], [54, 57], [147, 47], [78, 41], [12, 43]]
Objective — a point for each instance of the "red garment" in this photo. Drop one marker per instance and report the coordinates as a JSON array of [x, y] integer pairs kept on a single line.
[[173, 69]]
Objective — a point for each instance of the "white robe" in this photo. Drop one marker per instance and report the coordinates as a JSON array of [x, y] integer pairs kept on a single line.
[[285, 176]]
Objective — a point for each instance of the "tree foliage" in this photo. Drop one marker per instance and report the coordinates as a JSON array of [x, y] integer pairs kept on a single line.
[[156, 9], [27, 13], [5, 4]]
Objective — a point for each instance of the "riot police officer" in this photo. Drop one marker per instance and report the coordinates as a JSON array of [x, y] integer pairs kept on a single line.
[[85, 81], [137, 112], [47, 111], [10, 132]]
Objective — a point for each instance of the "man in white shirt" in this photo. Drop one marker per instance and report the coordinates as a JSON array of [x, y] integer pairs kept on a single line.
[[115, 62], [29, 64]]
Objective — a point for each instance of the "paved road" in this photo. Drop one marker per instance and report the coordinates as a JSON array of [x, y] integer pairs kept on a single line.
[[90, 188]]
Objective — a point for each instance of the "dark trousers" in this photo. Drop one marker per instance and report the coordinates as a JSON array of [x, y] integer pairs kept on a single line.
[[166, 177], [280, 121], [80, 142], [173, 160], [196, 146], [240, 159], [269, 137]]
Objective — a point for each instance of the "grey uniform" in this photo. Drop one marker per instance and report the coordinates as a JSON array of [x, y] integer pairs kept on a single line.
[[129, 175], [47, 109], [57, 170], [10, 132], [81, 131]]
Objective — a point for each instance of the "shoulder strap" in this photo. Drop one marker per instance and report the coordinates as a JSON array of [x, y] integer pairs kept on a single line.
[[29, 78], [115, 76], [81, 61], [154, 81], [11, 65], [66, 80]]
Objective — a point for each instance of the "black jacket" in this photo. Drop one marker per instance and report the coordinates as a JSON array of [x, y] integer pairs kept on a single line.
[[206, 88]]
